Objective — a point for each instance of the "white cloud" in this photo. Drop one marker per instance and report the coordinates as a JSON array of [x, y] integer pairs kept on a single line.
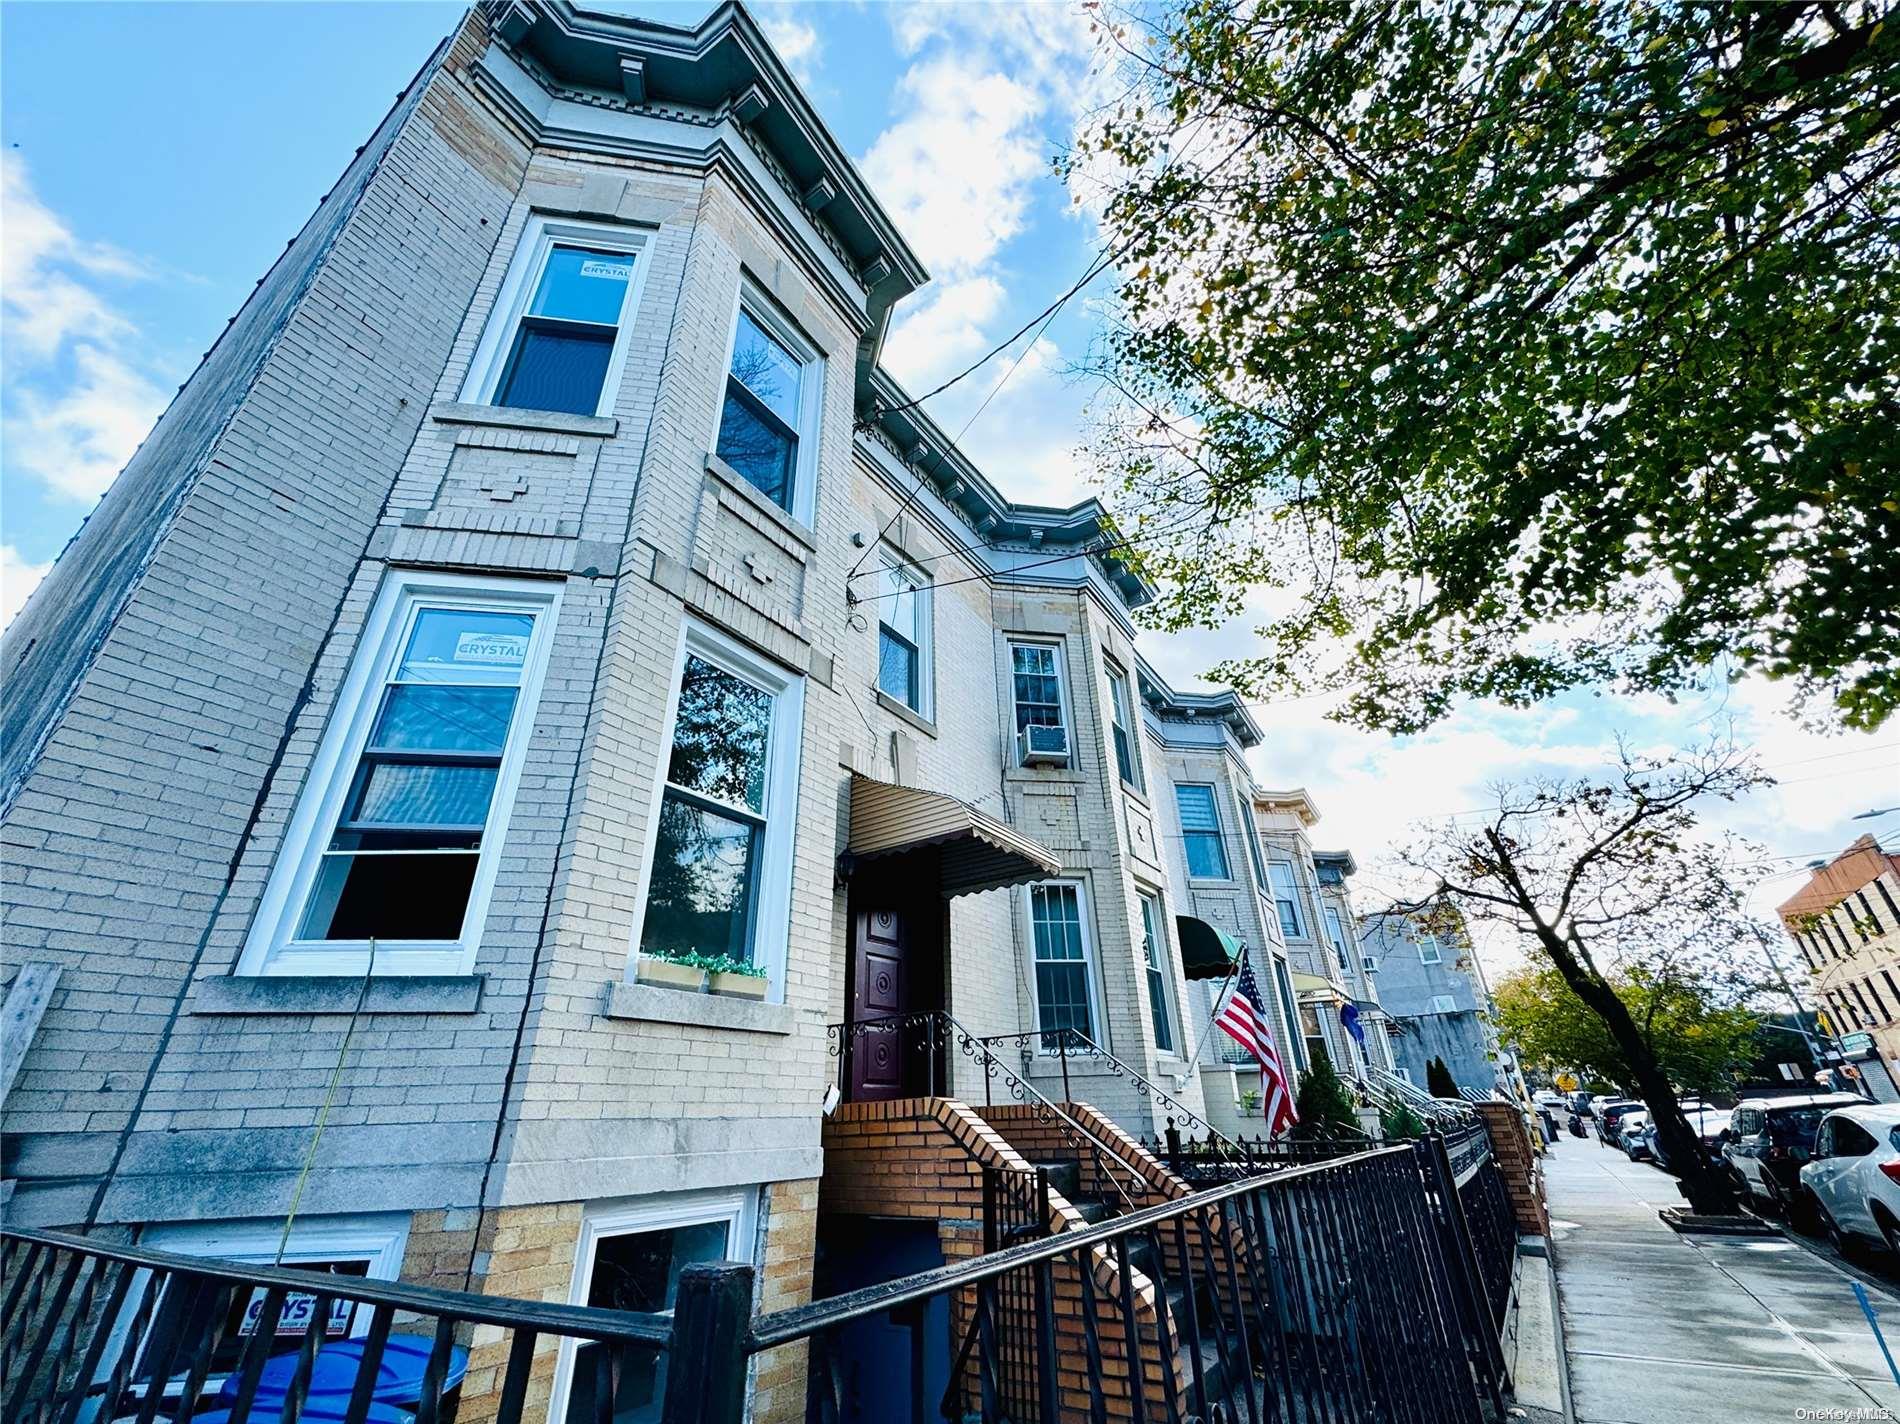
[[795, 39], [80, 395], [18, 579], [950, 329]]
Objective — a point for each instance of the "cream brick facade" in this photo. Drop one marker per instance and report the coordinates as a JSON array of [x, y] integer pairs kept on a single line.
[[176, 681], [1846, 923]]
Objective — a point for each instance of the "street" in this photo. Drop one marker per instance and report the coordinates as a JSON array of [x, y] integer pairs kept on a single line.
[[1658, 1325]]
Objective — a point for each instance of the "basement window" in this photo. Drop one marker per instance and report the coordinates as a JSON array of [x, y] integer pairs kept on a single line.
[[396, 838]]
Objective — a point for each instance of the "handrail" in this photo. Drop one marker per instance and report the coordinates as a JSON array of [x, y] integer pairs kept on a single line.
[[1020, 1088], [1143, 1086], [795, 1322], [543, 1317]]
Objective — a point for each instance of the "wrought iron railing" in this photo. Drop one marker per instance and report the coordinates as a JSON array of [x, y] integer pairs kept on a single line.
[[1203, 1163], [1361, 1289], [1343, 1291], [914, 1052], [93, 1331]]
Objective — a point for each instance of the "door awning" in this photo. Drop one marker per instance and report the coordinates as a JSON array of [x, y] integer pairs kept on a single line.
[[1206, 952], [975, 850], [1314, 986]]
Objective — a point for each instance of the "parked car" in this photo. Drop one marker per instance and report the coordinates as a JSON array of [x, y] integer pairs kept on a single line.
[[1709, 1123], [1851, 1181], [1771, 1139], [1634, 1131], [1610, 1114]]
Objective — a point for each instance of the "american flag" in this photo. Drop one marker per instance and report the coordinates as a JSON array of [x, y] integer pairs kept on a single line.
[[1243, 1018]]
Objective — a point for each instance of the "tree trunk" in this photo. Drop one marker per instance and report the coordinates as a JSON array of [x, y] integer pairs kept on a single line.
[[1707, 1189]]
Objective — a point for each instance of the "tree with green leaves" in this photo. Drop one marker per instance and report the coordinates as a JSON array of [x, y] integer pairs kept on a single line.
[[1324, 1106], [1700, 1027], [1493, 350], [1609, 881]]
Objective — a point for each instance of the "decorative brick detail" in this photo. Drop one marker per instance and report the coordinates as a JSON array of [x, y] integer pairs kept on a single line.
[[1517, 1160]]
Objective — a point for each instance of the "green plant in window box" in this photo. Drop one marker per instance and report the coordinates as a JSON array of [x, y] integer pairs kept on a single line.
[[689, 969], [1250, 1102]]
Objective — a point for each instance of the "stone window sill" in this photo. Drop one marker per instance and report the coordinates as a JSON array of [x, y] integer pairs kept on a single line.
[[651, 1003], [512, 418], [904, 714], [744, 489], [326, 994]]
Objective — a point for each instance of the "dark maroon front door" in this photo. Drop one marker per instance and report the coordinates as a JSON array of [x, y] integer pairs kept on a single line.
[[880, 986]]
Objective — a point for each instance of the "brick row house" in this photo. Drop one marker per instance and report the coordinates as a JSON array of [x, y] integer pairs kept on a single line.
[[547, 763], [1845, 921]]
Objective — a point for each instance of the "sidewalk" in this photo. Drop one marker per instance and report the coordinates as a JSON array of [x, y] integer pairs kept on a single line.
[[1698, 1329]]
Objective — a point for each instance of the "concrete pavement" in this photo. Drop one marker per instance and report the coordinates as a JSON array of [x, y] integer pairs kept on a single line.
[[1699, 1329]]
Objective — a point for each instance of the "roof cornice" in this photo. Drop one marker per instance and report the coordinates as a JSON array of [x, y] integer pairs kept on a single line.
[[1225, 706]]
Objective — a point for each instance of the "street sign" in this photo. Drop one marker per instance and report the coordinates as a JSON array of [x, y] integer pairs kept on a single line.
[[1857, 1045]]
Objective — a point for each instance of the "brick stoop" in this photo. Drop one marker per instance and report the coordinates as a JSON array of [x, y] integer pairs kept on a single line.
[[923, 1158], [1517, 1161]]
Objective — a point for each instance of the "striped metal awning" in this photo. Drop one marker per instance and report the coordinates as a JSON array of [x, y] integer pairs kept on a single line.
[[1207, 952], [975, 850]]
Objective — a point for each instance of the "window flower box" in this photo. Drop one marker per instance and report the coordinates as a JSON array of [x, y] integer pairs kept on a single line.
[[740, 986], [665, 974]]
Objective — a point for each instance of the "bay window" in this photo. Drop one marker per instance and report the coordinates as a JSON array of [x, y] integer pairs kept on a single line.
[[1062, 961], [719, 872], [768, 417], [1286, 899], [1200, 831], [396, 838], [558, 338], [1154, 958], [1122, 720]]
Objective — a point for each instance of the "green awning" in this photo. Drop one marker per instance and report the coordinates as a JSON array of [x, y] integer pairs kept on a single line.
[[1206, 953]]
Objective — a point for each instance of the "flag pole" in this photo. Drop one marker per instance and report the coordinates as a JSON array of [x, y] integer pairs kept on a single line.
[[1194, 1052]]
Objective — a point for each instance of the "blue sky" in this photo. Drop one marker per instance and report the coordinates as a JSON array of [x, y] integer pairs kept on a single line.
[[158, 157]]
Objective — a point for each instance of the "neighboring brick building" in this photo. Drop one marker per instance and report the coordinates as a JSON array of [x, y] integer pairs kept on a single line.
[[1846, 923], [537, 581]]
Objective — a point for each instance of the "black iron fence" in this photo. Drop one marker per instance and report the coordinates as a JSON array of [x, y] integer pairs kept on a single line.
[[1359, 1289], [1204, 1161], [95, 1332]]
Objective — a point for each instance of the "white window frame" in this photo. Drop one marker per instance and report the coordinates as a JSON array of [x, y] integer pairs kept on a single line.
[[1097, 1025], [1056, 649], [1160, 977], [893, 561], [1121, 702], [753, 301], [1291, 898], [271, 947], [772, 925], [1219, 833], [1429, 942], [738, 1207], [539, 237], [380, 1237]]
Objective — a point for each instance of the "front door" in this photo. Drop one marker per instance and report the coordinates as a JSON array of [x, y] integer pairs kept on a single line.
[[880, 987]]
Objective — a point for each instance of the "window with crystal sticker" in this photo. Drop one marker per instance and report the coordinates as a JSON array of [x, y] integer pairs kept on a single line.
[[402, 856], [760, 422], [567, 332]]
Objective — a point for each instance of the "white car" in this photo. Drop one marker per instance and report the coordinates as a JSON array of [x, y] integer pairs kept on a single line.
[[1851, 1183]]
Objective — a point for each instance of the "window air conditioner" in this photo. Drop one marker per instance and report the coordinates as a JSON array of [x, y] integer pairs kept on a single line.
[[1045, 746]]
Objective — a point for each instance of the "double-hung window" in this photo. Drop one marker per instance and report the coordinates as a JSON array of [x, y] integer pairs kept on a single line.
[[1253, 841], [1122, 722], [1063, 995], [719, 879], [1036, 679], [768, 417], [558, 339], [903, 634], [1336, 932], [1200, 831], [396, 839], [1154, 957], [1286, 899], [1428, 952]]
